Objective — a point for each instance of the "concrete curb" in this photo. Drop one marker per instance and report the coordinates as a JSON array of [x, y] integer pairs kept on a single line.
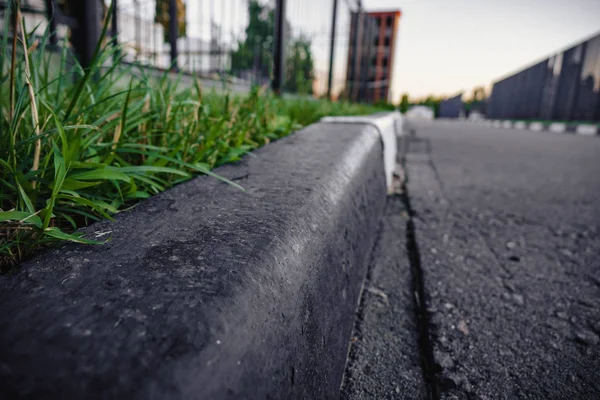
[[389, 126], [557, 127], [520, 125], [587, 130], [206, 291], [536, 126]]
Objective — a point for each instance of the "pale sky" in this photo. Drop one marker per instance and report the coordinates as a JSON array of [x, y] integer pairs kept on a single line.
[[448, 46]]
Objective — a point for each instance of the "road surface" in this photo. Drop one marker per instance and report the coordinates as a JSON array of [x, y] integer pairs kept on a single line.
[[486, 281]]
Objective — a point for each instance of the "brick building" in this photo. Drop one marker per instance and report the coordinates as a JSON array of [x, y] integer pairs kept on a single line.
[[371, 55]]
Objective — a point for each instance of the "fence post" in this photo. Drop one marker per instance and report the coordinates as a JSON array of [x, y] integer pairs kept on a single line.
[[332, 49], [51, 13], [114, 28], [138, 29], [173, 32], [358, 54], [87, 32], [278, 46]]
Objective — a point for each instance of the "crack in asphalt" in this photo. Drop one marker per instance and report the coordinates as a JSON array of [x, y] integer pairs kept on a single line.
[[540, 260], [431, 370]]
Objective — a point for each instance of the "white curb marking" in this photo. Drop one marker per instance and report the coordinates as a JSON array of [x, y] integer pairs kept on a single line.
[[536, 126], [557, 127], [587, 130], [389, 127]]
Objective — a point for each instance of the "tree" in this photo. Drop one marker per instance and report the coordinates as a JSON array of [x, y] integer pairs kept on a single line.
[[300, 67], [255, 51], [162, 17], [478, 94], [432, 102], [404, 103], [477, 100]]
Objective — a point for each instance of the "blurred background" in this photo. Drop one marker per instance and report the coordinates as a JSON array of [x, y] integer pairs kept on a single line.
[[498, 59], [331, 48]]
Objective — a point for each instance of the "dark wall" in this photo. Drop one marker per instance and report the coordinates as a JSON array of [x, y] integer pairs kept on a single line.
[[451, 108], [568, 83], [587, 101], [565, 86]]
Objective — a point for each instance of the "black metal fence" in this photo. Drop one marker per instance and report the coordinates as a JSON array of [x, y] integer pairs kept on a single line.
[[229, 40], [565, 86], [452, 107]]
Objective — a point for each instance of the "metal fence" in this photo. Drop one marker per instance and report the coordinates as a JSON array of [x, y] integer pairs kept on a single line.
[[452, 107], [565, 86], [229, 40]]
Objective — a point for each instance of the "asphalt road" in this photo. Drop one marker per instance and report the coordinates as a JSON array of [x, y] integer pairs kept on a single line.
[[501, 233]]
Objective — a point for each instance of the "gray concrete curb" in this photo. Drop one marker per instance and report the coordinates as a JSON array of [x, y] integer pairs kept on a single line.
[[206, 291], [557, 127]]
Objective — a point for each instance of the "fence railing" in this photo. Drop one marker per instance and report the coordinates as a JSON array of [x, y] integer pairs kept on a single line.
[[296, 46], [565, 86]]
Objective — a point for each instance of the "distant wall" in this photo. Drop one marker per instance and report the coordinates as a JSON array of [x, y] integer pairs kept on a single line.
[[565, 86], [451, 108]]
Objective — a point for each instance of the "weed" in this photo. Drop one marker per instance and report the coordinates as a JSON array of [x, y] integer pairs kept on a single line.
[[78, 145]]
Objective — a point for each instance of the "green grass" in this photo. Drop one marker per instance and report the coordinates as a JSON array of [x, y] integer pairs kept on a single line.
[[81, 145]]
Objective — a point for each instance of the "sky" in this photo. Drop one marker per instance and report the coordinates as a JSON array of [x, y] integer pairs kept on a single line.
[[448, 46]]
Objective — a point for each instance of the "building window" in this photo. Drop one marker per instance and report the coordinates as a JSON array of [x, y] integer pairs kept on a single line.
[[385, 62], [377, 40], [390, 20], [387, 41]]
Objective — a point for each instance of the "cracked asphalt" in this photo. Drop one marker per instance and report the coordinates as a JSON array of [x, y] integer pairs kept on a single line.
[[506, 231]]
